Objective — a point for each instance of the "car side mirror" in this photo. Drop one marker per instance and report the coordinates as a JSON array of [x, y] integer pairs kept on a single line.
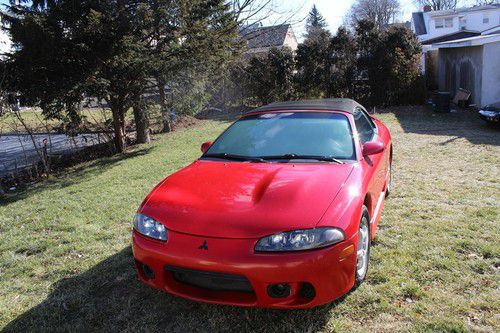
[[205, 146], [372, 148]]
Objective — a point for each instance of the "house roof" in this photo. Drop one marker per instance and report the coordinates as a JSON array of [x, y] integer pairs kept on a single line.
[[491, 31], [418, 23], [332, 104], [451, 37], [448, 12], [470, 41], [271, 36], [477, 8]]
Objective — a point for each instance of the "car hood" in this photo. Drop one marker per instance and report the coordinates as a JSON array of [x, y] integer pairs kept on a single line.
[[243, 199]]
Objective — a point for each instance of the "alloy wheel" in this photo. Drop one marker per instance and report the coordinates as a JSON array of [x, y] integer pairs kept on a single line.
[[362, 254]]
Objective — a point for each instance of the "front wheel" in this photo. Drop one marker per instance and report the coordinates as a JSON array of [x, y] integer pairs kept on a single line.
[[363, 250]]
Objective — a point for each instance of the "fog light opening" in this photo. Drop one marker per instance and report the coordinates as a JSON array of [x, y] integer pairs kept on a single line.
[[148, 271], [279, 290], [307, 291]]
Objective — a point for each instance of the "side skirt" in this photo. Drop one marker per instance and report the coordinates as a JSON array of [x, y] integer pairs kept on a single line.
[[376, 213]]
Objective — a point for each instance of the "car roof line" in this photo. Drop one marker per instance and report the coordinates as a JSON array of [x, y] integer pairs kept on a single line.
[[330, 104]]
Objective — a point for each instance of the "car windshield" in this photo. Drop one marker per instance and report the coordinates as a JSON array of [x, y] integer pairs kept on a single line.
[[290, 135]]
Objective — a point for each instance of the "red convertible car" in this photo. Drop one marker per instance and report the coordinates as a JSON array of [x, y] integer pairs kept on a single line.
[[279, 211]]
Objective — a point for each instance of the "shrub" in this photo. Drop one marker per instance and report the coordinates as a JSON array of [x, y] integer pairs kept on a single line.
[[270, 78], [377, 68]]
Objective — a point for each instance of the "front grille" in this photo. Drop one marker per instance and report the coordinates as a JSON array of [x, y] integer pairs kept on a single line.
[[210, 280]]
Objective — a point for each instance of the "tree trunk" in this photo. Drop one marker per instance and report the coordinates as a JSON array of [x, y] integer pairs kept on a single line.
[[163, 104], [141, 122], [119, 129]]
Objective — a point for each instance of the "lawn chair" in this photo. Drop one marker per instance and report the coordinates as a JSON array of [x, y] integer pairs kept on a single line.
[[462, 98]]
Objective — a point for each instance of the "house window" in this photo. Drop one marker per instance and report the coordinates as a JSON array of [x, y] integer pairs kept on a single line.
[[463, 23], [486, 19], [443, 23]]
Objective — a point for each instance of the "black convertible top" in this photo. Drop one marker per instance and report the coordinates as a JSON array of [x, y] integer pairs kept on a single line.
[[333, 104]]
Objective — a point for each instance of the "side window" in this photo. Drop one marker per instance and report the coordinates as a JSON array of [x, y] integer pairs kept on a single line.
[[363, 125]]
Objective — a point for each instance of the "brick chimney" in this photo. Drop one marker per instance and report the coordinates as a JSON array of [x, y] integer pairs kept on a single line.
[[427, 8]]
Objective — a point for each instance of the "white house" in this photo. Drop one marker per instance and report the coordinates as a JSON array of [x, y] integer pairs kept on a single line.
[[460, 49], [443, 25]]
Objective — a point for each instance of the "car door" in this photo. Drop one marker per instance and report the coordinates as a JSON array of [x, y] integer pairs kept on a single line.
[[373, 164]]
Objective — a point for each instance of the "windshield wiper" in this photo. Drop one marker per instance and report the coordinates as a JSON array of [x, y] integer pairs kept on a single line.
[[303, 157], [233, 157]]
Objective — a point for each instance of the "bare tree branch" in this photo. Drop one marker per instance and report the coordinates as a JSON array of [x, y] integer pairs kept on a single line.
[[382, 12]]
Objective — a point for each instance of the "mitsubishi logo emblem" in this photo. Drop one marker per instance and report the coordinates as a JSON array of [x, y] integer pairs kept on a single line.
[[203, 246]]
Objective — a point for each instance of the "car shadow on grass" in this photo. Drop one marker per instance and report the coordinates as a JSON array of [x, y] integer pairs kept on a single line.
[[68, 177], [458, 124], [110, 297]]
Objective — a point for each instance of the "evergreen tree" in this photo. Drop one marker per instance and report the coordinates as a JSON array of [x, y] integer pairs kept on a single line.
[[270, 78], [343, 52], [315, 25], [390, 59], [67, 50], [314, 66], [368, 42]]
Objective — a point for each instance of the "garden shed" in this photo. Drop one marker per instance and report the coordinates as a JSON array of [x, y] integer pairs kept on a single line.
[[471, 63]]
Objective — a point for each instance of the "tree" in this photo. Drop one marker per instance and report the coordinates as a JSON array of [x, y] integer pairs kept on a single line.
[[315, 25], [368, 42], [399, 65], [390, 61], [270, 78], [141, 121], [343, 50], [437, 4], [209, 41], [314, 66], [382, 12], [313, 61], [67, 50]]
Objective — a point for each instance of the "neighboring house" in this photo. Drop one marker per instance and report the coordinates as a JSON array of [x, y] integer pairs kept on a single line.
[[460, 49], [406, 24], [261, 39], [471, 63], [444, 25]]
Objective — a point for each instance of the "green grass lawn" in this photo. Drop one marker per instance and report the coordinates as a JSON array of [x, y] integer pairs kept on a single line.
[[93, 119], [66, 261]]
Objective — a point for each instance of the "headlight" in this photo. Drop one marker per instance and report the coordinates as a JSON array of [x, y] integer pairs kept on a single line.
[[300, 240], [149, 227]]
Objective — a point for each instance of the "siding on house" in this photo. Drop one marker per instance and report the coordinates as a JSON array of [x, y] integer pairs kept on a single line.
[[472, 19], [491, 74]]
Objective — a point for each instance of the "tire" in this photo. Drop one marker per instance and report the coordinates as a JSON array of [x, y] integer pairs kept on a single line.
[[388, 188], [364, 244]]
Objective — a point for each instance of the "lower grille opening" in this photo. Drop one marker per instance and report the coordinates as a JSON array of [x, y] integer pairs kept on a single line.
[[211, 280]]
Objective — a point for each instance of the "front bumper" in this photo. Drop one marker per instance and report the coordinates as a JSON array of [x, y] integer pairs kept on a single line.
[[330, 270]]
